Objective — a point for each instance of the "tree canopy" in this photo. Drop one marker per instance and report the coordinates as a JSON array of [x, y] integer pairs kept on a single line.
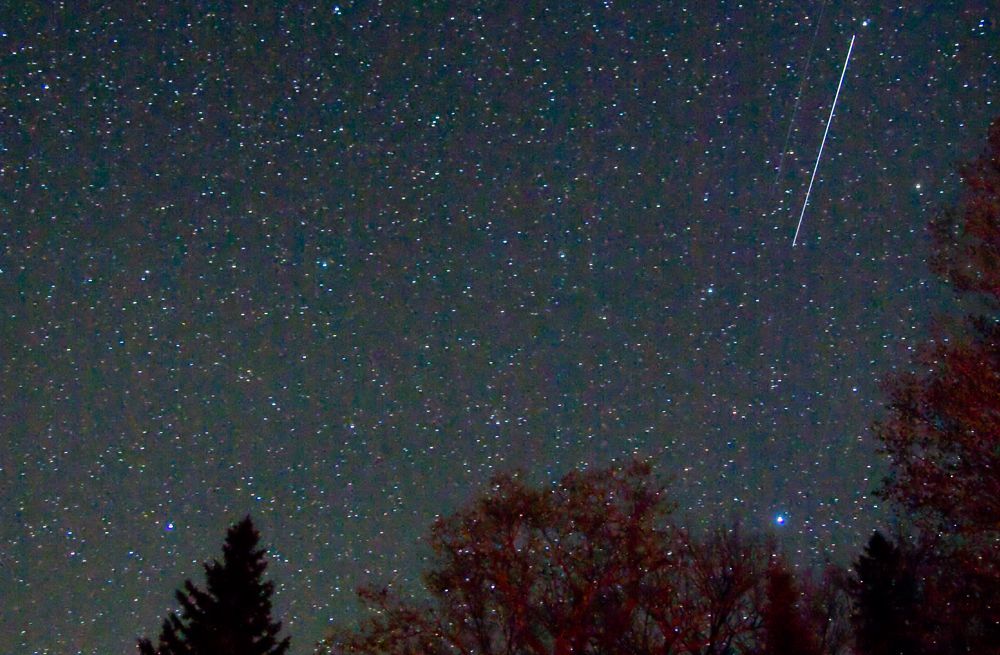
[[942, 432], [592, 564]]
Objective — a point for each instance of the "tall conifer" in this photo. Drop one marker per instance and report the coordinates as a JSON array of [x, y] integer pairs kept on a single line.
[[232, 615]]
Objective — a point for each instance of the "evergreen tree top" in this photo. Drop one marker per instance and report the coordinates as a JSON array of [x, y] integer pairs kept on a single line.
[[232, 616]]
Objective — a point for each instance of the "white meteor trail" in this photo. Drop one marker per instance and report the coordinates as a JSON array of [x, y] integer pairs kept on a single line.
[[819, 155]]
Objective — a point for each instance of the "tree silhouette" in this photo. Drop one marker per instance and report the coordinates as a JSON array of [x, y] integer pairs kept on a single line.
[[723, 587], [786, 629], [589, 565], [828, 608], [887, 607], [942, 433], [232, 616]]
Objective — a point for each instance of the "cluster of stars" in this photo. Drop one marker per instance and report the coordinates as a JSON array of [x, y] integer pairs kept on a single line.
[[335, 265]]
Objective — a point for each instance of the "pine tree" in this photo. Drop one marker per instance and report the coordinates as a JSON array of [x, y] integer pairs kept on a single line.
[[886, 604], [232, 616]]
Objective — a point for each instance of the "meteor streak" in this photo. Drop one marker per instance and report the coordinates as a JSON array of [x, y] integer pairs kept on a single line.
[[798, 98], [829, 120]]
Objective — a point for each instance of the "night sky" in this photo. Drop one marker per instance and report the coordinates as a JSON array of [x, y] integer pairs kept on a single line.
[[335, 264]]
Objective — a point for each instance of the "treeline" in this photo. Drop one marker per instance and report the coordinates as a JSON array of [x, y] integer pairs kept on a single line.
[[594, 564]]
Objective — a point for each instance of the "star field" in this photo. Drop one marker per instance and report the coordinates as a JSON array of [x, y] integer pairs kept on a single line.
[[335, 264]]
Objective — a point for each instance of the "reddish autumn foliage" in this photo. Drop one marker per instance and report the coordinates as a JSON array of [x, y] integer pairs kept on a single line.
[[942, 433], [943, 436], [787, 631], [967, 242], [590, 565], [943, 430]]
